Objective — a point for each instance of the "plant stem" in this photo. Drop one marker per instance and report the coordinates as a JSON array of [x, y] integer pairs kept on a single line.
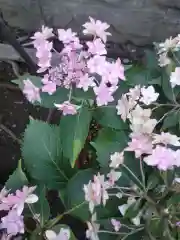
[[59, 217], [10, 133]]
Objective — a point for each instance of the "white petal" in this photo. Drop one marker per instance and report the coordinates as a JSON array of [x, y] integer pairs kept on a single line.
[[50, 235], [31, 199], [123, 208], [136, 220]]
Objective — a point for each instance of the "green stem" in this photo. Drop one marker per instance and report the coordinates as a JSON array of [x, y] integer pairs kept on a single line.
[[129, 170], [59, 217]]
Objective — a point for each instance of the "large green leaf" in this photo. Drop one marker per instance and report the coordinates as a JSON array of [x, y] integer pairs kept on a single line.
[[76, 204], [74, 131], [42, 154], [107, 116], [17, 180], [41, 207], [108, 142]]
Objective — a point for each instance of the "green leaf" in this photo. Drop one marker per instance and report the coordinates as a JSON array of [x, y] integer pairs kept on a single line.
[[137, 75], [42, 154], [41, 207], [169, 92], [17, 180], [107, 116], [76, 204], [108, 142], [133, 209], [74, 131], [171, 120]]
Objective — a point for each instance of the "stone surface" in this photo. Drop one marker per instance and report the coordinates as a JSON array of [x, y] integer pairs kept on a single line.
[[138, 21]]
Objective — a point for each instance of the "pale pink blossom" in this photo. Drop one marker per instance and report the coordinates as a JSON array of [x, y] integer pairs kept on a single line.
[[17, 200], [44, 34], [164, 60], [93, 228], [116, 224], [95, 192], [113, 176], [175, 77], [141, 122], [168, 44], [64, 234], [67, 108], [44, 55], [161, 157], [85, 82], [166, 138], [148, 95], [134, 93], [104, 94], [123, 108], [31, 92], [49, 87], [12, 223], [96, 47], [96, 28], [177, 158], [97, 64], [117, 70], [66, 36], [116, 159], [140, 144]]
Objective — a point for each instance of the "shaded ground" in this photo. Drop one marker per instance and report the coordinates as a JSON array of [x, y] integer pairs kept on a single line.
[[14, 115]]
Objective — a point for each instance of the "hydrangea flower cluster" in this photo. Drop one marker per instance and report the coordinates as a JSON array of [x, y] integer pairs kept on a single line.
[[76, 66], [13, 224], [154, 148]]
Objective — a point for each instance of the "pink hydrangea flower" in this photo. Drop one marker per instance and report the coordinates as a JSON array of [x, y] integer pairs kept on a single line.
[[12, 223], [140, 144], [49, 86], [44, 55], [31, 92], [96, 28], [66, 36], [96, 47], [95, 192], [97, 64], [44, 34], [161, 157], [85, 82], [93, 228], [67, 108], [116, 224], [104, 94], [18, 200]]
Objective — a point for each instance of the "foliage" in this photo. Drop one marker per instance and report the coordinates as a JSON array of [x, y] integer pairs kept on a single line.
[[124, 130]]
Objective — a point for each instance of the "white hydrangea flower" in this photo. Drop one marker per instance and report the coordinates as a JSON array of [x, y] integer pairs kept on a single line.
[[148, 95], [166, 138], [116, 159], [93, 228], [175, 77], [64, 234]]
